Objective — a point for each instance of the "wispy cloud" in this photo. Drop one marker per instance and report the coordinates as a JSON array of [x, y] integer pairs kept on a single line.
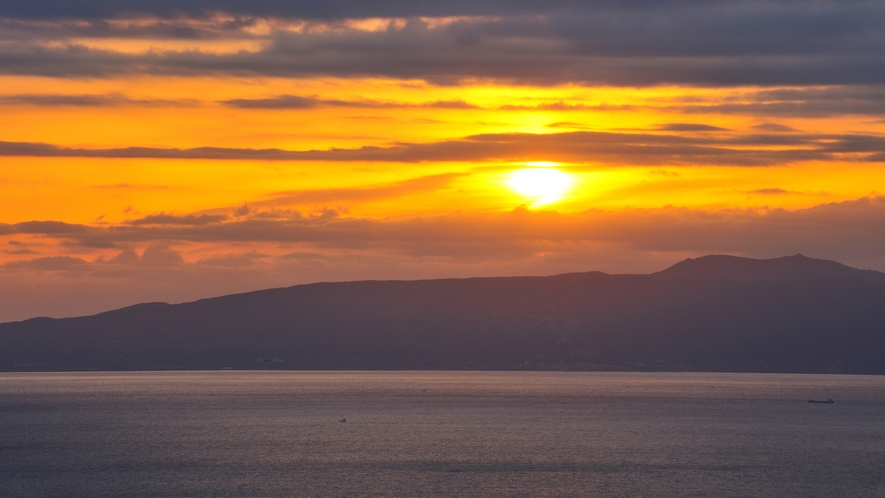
[[689, 127], [170, 219], [87, 100], [287, 102], [769, 191]]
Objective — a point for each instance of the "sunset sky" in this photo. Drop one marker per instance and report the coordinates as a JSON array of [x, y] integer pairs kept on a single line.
[[175, 150]]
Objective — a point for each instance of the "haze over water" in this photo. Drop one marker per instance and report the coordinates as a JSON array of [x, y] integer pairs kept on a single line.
[[244, 434]]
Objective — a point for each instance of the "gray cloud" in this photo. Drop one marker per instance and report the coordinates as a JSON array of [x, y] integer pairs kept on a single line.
[[159, 254], [769, 191], [302, 9], [127, 256], [43, 227], [52, 263], [59, 100], [637, 43], [577, 146], [327, 10], [280, 102], [18, 251], [283, 102], [801, 102], [689, 127], [169, 219], [773, 128]]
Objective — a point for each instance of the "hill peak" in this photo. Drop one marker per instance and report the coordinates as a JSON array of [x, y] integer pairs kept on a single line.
[[796, 267]]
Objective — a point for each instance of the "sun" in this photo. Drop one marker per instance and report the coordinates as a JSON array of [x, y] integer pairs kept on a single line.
[[540, 186]]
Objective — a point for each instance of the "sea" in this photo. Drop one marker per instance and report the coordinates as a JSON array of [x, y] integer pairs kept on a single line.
[[441, 434]]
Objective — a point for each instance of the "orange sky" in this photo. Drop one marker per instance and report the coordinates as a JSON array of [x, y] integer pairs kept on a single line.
[[133, 184]]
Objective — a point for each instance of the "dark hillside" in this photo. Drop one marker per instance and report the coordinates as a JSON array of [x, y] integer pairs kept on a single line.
[[716, 313]]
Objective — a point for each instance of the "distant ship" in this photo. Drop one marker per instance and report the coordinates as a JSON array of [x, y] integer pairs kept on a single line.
[[828, 400]]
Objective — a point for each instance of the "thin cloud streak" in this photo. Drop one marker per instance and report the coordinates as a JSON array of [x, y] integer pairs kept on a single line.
[[112, 100], [288, 102], [580, 146]]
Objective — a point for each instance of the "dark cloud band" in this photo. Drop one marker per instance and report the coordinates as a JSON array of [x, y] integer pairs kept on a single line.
[[765, 43], [307, 9], [699, 149]]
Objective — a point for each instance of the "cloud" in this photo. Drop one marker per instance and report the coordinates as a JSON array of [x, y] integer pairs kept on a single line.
[[170, 219], [761, 43], [576, 146], [332, 10], [773, 128], [43, 227], [18, 251], [280, 102], [769, 191], [301, 9], [448, 104], [127, 256], [847, 228], [111, 100], [288, 102], [159, 254], [815, 102], [51, 263], [689, 127]]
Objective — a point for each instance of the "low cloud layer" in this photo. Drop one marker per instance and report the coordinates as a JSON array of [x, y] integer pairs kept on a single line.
[[850, 229], [183, 258]]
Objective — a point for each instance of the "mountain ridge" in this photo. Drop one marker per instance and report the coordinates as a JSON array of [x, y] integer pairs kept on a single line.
[[715, 313]]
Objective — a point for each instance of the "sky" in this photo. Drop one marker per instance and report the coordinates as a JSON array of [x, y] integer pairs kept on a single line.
[[177, 150]]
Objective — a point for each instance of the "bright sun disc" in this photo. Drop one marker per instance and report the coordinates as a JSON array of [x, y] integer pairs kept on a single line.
[[540, 185]]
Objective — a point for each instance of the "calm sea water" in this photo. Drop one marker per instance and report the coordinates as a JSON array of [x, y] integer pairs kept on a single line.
[[244, 434]]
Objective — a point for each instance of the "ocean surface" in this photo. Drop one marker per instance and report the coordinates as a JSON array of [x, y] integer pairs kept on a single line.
[[413, 434]]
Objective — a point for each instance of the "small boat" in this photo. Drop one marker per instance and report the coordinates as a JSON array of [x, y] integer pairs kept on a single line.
[[342, 420], [828, 400]]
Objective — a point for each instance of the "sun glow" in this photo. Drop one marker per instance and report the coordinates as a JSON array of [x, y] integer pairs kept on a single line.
[[540, 186]]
